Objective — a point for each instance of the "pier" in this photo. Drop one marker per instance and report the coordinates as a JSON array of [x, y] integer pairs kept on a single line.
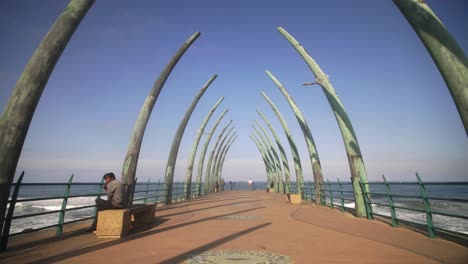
[[241, 227]]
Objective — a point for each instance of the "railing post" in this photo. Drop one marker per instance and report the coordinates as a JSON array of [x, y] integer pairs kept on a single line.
[[164, 193], [427, 207], [342, 195], [59, 230], [331, 194], [183, 194], [177, 191], [314, 195], [98, 196], [311, 191], [323, 196], [306, 188], [367, 202], [191, 196], [179, 194], [156, 194], [11, 209], [390, 202], [147, 189]]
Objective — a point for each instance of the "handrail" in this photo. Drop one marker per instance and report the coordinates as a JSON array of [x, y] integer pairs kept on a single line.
[[334, 191], [152, 192]]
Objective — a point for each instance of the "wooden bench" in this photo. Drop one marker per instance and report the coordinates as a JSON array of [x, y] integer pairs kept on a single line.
[[117, 223]]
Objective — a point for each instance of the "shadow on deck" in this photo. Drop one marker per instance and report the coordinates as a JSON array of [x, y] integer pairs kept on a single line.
[[241, 221]]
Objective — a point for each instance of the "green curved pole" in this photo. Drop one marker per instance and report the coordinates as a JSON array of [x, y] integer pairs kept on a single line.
[[356, 163], [295, 152], [284, 158], [19, 111], [223, 156], [216, 156], [274, 166], [133, 152], [201, 160], [218, 162], [217, 153], [266, 160], [270, 172], [210, 159], [201, 129], [216, 175], [444, 50], [279, 168], [313, 154], [171, 160], [267, 168]]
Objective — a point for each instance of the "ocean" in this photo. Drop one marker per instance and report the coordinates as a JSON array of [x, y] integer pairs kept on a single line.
[[445, 191]]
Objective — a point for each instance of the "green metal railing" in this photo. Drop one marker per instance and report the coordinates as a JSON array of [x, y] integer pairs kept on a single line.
[[336, 192], [151, 194], [178, 193]]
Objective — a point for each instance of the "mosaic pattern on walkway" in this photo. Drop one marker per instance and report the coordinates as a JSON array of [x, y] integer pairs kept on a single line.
[[238, 256]]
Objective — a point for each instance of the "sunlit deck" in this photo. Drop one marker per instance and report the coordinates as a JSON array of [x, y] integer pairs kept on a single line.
[[231, 223]]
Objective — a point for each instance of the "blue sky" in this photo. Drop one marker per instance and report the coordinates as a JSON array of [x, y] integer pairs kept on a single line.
[[401, 110]]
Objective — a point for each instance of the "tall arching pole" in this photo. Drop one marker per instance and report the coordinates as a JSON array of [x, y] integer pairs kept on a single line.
[[313, 154], [444, 50], [270, 162], [171, 160], [223, 156], [133, 152], [262, 153], [292, 144], [218, 162], [191, 159], [353, 151], [274, 161], [284, 158], [216, 156], [201, 160], [20, 108], [280, 182], [210, 159]]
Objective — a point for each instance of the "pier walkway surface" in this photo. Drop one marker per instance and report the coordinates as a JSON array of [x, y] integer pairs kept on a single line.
[[241, 227]]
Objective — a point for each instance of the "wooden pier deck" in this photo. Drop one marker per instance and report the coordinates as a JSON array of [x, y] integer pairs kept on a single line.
[[241, 227]]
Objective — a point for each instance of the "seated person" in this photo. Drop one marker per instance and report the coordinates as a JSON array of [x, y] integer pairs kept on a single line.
[[115, 196]]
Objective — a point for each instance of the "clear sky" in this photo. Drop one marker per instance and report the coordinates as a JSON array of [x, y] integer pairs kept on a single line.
[[402, 112]]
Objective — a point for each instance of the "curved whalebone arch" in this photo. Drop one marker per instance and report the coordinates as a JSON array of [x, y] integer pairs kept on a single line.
[[292, 144], [284, 158], [171, 160], [353, 151], [313, 154], [133, 152], [196, 141], [201, 160], [276, 175], [279, 169]]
